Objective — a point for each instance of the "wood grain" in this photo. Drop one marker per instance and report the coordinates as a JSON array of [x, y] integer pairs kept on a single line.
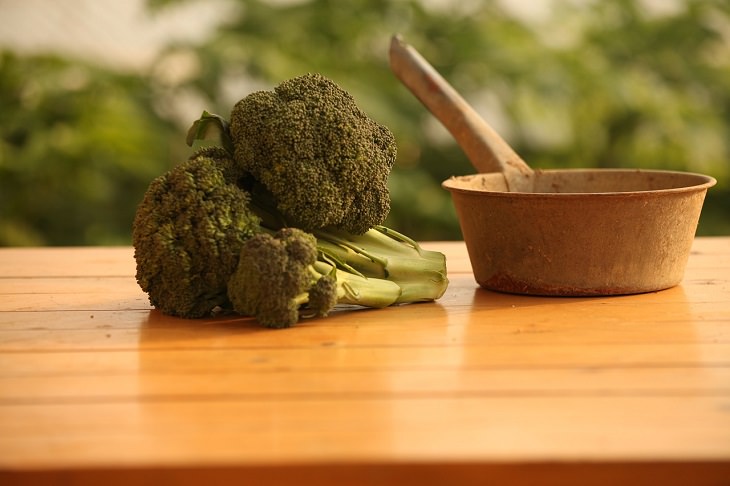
[[95, 386]]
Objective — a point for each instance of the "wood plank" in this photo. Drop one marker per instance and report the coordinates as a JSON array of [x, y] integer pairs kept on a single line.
[[461, 296], [584, 357], [92, 380], [707, 287], [67, 262], [119, 261], [414, 326], [132, 330], [396, 429], [363, 473], [43, 286], [708, 252], [459, 318], [95, 386]]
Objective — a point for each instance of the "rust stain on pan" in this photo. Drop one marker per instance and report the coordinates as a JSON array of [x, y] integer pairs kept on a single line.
[[508, 284]]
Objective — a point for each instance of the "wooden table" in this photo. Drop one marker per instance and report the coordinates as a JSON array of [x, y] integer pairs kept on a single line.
[[96, 388]]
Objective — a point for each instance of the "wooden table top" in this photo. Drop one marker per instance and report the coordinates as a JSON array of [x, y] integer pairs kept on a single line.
[[97, 388]]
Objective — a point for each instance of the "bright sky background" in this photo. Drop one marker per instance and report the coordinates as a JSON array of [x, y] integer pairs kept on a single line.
[[120, 32], [114, 31]]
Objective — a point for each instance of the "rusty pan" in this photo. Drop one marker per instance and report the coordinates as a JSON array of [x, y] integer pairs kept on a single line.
[[573, 232]]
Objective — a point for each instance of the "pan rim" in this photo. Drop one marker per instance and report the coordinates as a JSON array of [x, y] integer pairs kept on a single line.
[[703, 182]]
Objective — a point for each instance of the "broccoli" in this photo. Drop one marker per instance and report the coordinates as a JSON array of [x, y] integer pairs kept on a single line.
[[325, 162], [201, 246], [187, 234], [283, 220], [385, 253], [280, 275]]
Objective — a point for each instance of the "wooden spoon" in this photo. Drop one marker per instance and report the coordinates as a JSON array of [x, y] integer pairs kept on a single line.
[[486, 150]]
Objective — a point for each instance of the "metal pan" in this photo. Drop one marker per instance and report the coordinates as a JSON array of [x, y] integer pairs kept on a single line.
[[573, 232]]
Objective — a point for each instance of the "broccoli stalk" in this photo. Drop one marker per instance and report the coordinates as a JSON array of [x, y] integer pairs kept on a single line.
[[353, 288], [279, 277], [210, 127], [385, 253]]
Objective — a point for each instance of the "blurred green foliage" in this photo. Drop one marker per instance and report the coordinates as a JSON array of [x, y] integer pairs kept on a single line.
[[79, 146], [592, 84]]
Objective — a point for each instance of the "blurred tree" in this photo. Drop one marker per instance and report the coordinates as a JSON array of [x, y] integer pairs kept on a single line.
[[78, 147], [593, 84], [605, 83]]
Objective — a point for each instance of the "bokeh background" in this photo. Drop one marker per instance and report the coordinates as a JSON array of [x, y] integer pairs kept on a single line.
[[96, 95]]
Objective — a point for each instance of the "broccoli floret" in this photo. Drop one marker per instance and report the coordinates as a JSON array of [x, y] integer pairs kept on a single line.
[[280, 278], [325, 162], [187, 234]]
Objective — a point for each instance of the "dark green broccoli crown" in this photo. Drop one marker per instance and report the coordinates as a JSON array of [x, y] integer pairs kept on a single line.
[[323, 296], [232, 172], [187, 233], [324, 160], [273, 273]]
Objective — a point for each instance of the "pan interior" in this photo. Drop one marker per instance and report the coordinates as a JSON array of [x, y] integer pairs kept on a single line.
[[587, 181]]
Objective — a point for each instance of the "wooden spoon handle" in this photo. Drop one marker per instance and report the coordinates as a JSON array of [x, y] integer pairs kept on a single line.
[[486, 150]]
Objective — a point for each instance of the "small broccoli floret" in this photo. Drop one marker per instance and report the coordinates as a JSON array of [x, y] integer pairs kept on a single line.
[[322, 297], [280, 278], [232, 172], [187, 234], [325, 162], [272, 276]]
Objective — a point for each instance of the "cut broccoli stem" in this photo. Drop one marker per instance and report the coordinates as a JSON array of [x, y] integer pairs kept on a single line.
[[399, 237], [210, 127], [381, 252], [359, 290], [282, 277], [384, 253], [344, 249]]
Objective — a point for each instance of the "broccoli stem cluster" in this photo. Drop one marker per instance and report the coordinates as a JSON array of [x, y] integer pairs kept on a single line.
[[312, 273], [281, 219], [283, 275]]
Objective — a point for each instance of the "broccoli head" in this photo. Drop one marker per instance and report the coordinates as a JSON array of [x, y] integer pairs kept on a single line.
[[283, 276], [325, 162], [283, 221], [273, 276], [187, 234]]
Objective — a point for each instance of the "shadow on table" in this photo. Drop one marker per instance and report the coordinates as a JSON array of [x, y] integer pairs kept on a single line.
[[160, 331], [345, 324], [648, 318]]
